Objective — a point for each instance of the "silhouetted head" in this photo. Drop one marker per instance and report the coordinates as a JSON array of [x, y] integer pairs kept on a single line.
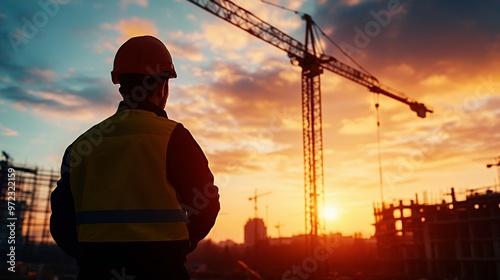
[[142, 67]]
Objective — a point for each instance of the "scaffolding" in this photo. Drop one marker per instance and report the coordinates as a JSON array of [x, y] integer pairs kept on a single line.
[[451, 239], [25, 201]]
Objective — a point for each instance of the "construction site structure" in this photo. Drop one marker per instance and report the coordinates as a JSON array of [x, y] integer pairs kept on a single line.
[[31, 204], [311, 58], [25, 215], [453, 239]]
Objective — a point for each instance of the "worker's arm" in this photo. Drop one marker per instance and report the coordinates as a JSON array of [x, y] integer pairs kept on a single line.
[[62, 220], [191, 177]]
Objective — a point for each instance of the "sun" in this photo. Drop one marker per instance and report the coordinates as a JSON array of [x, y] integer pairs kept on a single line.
[[330, 213]]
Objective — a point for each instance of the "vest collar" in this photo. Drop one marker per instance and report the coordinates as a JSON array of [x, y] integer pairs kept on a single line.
[[145, 105]]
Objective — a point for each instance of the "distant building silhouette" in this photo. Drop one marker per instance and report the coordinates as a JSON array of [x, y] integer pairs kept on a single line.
[[452, 239], [255, 230]]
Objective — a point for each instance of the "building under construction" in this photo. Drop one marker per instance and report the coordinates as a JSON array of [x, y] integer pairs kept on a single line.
[[24, 213], [454, 239]]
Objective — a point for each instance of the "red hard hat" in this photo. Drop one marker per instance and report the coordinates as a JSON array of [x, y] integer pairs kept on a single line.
[[142, 55]]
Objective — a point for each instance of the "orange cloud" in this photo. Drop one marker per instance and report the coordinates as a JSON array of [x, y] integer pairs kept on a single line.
[[135, 27], [63, 99], [435, 80], [223, 37], [6, 131], [364, 125], [185, 45], [126, 29], [401, 69], [44, 74]]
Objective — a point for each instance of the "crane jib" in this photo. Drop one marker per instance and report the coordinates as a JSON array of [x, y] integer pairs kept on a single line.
[[252, 24]]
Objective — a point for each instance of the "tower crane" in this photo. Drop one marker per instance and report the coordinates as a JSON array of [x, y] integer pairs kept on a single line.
[[254, 198], [497, 164], [312, 62], [278, 227]]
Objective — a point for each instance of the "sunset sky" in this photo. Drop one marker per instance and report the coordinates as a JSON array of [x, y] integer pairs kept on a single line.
[[240, 97]]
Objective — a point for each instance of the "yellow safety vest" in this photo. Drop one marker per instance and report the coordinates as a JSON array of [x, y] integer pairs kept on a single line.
[[120, 185]]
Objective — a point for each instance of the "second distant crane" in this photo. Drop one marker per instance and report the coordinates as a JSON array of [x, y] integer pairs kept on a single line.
[[497, 164], [254, 198]]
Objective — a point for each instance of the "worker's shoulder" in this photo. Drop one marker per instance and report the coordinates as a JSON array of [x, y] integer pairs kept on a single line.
[[131, 122], [181, 134], [179, 128], [143, 117], [100, 128]]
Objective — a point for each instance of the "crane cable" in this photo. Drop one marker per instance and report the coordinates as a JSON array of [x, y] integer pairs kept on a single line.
[[343, 52], [324, 34], [282, 7], [381, 182]]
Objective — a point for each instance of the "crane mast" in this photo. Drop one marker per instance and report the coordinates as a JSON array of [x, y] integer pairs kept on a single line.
[[312, 64], [312, 135]]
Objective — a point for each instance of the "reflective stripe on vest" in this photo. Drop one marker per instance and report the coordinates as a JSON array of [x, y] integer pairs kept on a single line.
[[129, 216], [119, 182]]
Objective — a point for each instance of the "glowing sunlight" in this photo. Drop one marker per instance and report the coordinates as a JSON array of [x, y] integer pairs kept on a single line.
[[330, 213]]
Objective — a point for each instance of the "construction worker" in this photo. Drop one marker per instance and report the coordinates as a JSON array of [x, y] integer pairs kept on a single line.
[[136, 194]]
